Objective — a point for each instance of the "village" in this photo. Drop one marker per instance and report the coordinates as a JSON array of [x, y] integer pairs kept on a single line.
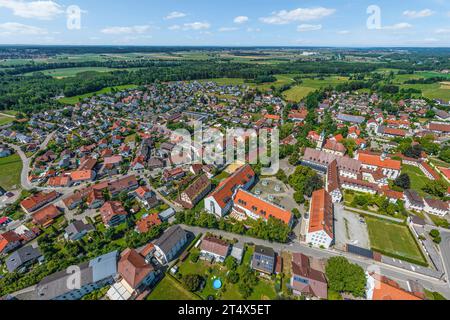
[[363, 185]]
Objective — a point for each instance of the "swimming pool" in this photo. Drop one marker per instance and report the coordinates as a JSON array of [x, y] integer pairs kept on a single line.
[[217, 284]]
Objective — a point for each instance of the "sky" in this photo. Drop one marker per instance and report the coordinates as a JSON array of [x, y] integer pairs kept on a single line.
[[357, 23]]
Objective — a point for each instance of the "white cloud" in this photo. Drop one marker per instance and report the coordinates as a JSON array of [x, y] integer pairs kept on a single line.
[[126, 30], [14, 28], [228, 29], [299, 14], [309, 27], [196, 26], [43, 10], [240, 19], [398, 26], [175, 15], [418, 14], [174, 27], [442, 30]]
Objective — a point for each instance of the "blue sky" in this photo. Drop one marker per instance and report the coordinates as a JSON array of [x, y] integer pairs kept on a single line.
[[227, 23]]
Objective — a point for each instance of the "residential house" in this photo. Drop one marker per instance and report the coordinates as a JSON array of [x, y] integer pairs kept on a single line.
[[214, 249], [144, 224], [22, 258], [9, 241], [306, 280], [113, 213], [146, 197], [94, 274], [382, 288], [37, 201], [195, 192], [46, 216], [170, 244], [436, 207], [413, 201], [77, 230], [264, 260]]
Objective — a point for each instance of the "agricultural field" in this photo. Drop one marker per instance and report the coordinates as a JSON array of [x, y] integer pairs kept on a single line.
[[297, 93], [5, 120], [10, 170], [393, 240], [72, 72], [76, 99]]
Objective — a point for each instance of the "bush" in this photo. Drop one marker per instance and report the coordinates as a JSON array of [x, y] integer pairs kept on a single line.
[[192, 281], [435, 233], [195, 255]]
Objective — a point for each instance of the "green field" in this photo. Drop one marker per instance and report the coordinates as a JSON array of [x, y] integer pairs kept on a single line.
[[432, 91], [72, 72], [417, 177], [170, 289], [298, 92], [393, 240], [10, 169], [5, 120], [76, 99]]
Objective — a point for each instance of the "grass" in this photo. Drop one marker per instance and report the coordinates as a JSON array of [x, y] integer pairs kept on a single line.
[[10, 170], [394, 240], [76, 99], [297, 93], [417, 177], [170, 289], [5, 120], [440, 222]]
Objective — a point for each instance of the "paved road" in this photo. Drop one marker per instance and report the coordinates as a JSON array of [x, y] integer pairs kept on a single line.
[[25, 167], [444, 247], [392, 272]]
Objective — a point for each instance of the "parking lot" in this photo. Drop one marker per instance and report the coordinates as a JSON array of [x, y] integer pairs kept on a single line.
[[350, 229]]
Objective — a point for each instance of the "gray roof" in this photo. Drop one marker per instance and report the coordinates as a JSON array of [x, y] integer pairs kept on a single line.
[[56, 284], [166, 214], [77, 227], [350, 118], [22, 256], [170, 238]]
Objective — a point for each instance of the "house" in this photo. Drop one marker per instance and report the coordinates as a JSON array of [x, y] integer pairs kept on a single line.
[[169, 244], [214, 249], [306, 280], [37, 201], [146, 197], [237, 252], [46, 216], [436, 207], [136, 275], [334, 147], [219, 202], [60, 181], [80, 176], [147, 222], [113, 213], [22, 258], [125, 184], [173, 174], [166, 214], [382, 288], [246, 205], [320, 160], [413, 201], [77, 230], [95, 199], [195, 192], [9, 241], [94, 274], [263, 260], [4, 151], [321, 220], [332, 182], [350, 118]]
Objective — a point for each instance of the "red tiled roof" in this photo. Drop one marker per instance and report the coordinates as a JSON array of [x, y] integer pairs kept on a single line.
[[215, 245], [261, 207], [145, 224], [46, 215], [321, 213], [38, 200], [133, 268], [375, 160]]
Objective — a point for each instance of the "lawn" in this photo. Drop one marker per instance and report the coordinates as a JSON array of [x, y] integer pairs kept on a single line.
[[298, 92], [393, 240], [76, 99], [417, 177], [10, 169], [170, 289]]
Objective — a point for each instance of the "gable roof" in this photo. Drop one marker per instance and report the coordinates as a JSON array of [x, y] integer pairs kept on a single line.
[[376, 160], [224, 191], [321, 213], [22, 256], [133, 268], [215, 245]]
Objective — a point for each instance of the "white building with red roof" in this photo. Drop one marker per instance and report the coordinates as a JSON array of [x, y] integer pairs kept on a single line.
[[321, 220]]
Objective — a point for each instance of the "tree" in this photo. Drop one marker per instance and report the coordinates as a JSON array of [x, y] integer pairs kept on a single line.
[[436, 188], [444, 155], [403, 181], [294, 158], [281, 175], [305, 180], [413, 151], [231, 263], [192, 281], [195, 255], [233, 277], [344, 276]]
